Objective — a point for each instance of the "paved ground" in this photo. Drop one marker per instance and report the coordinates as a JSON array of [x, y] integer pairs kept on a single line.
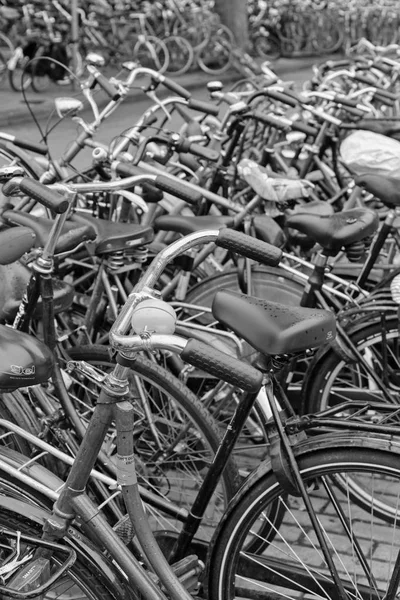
[[14, 111]]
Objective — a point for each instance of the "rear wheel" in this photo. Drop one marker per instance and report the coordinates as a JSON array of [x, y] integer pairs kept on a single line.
[[180, 53], [289, 563]]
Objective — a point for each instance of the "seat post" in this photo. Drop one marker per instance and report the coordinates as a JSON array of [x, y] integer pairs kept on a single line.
[[315, 281]]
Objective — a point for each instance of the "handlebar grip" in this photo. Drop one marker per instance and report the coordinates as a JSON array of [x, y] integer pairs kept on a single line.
[[202, 106], [386, 94], [107, 86], [175, 88], [198, 150], [14, 243], [356, 112], [304, 128], [363, 79], [345, 101], [222, 366], [281, 97], [203, 152], [149, 192], [269, 119], [41, 193], [248, 246], [178, 189], [128, 170], [32, 146]]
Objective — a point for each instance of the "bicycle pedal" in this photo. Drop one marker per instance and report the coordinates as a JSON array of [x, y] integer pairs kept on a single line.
[[188, 571]]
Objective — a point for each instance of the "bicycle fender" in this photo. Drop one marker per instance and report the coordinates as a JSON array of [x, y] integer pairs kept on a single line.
[[90, 554]]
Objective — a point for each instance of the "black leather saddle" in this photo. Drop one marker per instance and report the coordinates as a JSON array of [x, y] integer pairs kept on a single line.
[[273, 328], [186, 225], [333, 232], [387, 189], [106, 235], [14, 242]]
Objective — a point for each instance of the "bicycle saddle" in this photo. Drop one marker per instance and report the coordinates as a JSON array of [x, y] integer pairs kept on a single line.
[[333, 232], [14, 243], [187, 225], [41, 226], [268, 230], [112, 236], [387, 189], [24, 360], [273, 328]]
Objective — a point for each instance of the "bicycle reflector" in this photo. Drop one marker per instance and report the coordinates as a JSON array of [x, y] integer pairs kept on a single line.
[[395, 289], [153, 316]]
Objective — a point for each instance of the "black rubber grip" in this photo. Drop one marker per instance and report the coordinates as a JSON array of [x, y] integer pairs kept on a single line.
[[304, 128], [37, 148], [176, 88], [248, 246], [222, 366], [386, 94], [281, 97], [107, 86], [149, 191], [356, 112], [345, 101], [128, 170], [14, 243], [150, 120], [363, 79], [41, 193], [178, 189], [202, 106], [71, 239], [197, 150]]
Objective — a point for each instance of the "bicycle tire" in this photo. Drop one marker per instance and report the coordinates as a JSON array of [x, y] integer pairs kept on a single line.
[[216, 56], [290, 561], [267, 47], [330, 375], [81, 578], [151, 53], [3, 68], [202, 440], [181, 55]]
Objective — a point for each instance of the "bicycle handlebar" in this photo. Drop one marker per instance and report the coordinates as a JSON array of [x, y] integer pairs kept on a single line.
[[39, 192]]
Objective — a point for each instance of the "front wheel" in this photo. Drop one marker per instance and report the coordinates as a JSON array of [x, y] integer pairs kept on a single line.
[[80, 582], [151, 53], [289, 563]]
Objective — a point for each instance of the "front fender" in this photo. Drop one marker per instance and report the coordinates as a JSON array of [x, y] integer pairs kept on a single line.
[[88, 552]]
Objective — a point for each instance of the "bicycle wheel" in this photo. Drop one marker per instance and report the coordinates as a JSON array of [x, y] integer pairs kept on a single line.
[[332, 379], [176, 437], [289, 563], [151, 53], [180, 53], [216, 56], [267, 46], [82, 581], [3, 68]]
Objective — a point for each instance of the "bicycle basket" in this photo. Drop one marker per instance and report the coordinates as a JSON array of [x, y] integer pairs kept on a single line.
[[370, 152]]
